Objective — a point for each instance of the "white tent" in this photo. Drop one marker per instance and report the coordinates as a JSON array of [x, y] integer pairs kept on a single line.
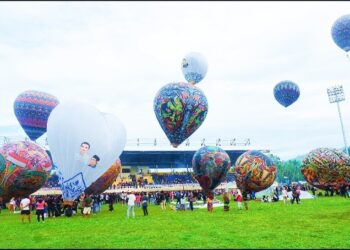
[[268, 191]]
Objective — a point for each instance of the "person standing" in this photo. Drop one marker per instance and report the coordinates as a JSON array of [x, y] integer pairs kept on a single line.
[[191, 200], [285, 195], [25, 209], [226, 198], [239, 199], [162, 200], [131, 204], [1, 203], [144, 204], [210, 203], [40, 207]]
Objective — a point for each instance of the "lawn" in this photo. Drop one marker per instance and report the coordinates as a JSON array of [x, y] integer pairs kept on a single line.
[[316, 223]]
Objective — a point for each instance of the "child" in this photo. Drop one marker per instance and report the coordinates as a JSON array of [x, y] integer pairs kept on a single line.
[[239, 199], [210, 202]]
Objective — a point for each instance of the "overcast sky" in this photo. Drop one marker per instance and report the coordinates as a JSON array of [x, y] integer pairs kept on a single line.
[[117, 55]]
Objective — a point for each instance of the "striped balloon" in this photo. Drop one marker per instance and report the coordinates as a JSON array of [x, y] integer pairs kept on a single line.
[[32, 109]]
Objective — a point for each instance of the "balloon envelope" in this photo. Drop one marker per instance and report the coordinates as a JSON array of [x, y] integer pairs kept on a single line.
[[341, 32], [32, 109], [84, 143], [180, 109], [254, 171], [24, 168], [286, 93], [324, 167], [105, 180], [194, 67], [210, 166]]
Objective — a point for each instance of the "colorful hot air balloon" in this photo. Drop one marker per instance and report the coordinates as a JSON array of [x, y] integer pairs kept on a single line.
[[24, 168], [32, 109], [210, 166], [180, 109], [326, 167], [105, 180], [254, 171], [194, 67], [84, 143], [286, 93], [341, 32]]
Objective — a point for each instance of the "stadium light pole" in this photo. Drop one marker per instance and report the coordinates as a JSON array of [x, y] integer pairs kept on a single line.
[[336, 95]]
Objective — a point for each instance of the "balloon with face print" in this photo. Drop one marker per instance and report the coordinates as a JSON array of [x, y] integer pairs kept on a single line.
[[84, 143], [180, 109]]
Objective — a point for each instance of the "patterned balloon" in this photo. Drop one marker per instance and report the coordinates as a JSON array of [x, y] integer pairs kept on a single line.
[[194, 67], [324, 167], [254, 171], [32, 109], [24, 168], [286, 93], [180, 109], [341, 32], [105, 180], [210, 166]]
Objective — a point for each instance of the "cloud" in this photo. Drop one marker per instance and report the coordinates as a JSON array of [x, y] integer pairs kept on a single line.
[[117, 55]]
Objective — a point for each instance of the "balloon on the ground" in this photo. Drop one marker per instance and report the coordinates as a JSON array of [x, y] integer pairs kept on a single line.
[[84, 143], [32, 109], [341, 32], [254, 171], [326, 167], [105, 180], [180, 109], [24, 168], [210, 166], [194, 67], [286, 93]]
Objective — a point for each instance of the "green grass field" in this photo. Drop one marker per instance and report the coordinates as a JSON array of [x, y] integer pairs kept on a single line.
[[316, 223]]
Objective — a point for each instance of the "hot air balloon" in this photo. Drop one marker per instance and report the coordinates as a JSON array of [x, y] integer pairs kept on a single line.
[[341, 33], [24, 168], [105, 180], [194, 67], [210, 166], [286, 93], [254, 171], [180, 109], [84, 143], [32, 109], [326, 167]]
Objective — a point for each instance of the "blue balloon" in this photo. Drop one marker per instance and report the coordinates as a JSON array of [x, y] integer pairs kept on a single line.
[[194, 67], [286, 93], [341, 32]]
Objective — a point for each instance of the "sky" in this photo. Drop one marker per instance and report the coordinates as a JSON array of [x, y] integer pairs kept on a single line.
[[117, 55]]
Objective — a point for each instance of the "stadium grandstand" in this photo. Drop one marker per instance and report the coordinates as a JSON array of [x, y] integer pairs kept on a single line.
[[154, 162]]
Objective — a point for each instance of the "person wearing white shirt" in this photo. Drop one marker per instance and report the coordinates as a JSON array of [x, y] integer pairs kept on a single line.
[[25, 209], [285, 195], [131, 204]]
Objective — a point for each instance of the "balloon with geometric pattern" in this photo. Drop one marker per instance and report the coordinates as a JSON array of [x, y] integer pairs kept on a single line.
[[341, 32], [210, 165], [286, 93], [326, 167], [254, 171], [180, 109], [194, 67], [32, 109], [24, 169]]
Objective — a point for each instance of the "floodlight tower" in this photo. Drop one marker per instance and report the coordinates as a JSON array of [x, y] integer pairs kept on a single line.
[[336, 94]]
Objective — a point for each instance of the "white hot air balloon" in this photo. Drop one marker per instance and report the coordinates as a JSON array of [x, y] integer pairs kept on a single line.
[[194, 67], [84, 143]]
